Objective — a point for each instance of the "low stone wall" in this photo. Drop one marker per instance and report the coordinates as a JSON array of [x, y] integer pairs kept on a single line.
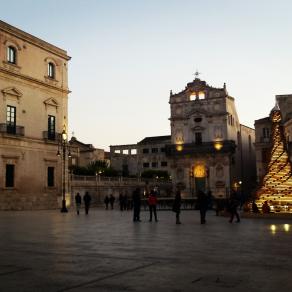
[[16, 201], [99, 187]]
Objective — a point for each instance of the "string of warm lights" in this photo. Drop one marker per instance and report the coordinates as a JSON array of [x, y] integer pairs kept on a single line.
[[276, 187]]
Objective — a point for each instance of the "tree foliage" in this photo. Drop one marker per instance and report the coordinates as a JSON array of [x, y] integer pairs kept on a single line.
[[97, 167]]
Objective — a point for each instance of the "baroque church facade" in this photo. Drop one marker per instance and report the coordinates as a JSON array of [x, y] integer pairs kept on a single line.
[[208, 148]]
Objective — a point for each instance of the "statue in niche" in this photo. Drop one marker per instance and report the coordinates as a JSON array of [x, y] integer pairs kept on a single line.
[[219, 171], [218, 132], [179, 138], [180, 173]]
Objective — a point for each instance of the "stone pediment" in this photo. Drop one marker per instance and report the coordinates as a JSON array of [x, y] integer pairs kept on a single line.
[[197, 112], [198, 128], [11, 91], [51, 102]]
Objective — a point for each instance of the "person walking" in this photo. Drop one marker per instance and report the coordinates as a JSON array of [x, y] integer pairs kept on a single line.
[[152, 202], [176, 206], [202, 205], [136, 199], [87, 200], [78, 202], [233, 204], [121, 201], [106, 201], [112, 201]]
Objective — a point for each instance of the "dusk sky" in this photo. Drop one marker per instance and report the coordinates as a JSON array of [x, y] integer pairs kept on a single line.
[[127, 56]]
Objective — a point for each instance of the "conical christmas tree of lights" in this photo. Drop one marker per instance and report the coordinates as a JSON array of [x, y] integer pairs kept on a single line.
[[276, 187]]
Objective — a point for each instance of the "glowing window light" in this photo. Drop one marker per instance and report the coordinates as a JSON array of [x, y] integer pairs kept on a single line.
[[201, 95], [193, 97], [273, 228], [200, 171], [287, 227], [218, 145], [179, 147]]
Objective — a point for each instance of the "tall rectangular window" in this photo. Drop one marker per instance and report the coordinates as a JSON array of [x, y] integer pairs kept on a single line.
[[51, 176], [51, 70], [51, 127], [11, 55], [198, 138], [9, 181], [11, 119], [154, 150], [266, 132]]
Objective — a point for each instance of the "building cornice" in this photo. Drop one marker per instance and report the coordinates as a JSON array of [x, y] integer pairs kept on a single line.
[[33, 40], [34, 80]]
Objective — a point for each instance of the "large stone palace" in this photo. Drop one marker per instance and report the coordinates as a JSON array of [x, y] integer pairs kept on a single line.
[[33, 112]]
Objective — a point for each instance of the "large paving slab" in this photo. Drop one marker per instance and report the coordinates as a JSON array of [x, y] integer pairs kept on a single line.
[[106, 251]]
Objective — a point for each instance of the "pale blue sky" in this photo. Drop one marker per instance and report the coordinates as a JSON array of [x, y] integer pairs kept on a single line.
[[127, 55]]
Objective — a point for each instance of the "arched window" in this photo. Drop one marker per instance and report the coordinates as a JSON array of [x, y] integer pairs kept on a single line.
[[51, 70], [11, 55]]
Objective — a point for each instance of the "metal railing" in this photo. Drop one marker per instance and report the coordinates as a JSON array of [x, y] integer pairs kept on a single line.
[[51, 136], [117, 179], [12, 130]]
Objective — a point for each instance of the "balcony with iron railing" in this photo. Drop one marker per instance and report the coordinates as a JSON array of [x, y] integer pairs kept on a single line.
[[12, 130], [227, 146], [51, 136]]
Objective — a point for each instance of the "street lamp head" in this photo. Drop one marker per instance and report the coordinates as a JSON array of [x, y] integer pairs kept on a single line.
[[64, 135], [58, 153]]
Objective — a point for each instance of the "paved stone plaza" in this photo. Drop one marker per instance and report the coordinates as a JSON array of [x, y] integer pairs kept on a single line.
[[106, 251]]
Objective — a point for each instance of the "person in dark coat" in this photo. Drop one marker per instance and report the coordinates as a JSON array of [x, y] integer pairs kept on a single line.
[[112, 200], [136, 198], [152, 202], [255, 208], [125, 201], [106, 201], [202, 205], [176, 206], [121, 201], [233, 204], [87, 200], [78, 202]]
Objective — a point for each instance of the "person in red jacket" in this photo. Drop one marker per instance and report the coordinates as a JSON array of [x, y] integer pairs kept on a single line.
[[152, 202]]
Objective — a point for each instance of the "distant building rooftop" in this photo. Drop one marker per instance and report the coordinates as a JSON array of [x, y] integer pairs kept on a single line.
[[155, 139]]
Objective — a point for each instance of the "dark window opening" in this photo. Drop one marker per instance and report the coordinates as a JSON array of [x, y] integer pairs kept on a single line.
[[51, 70], [154, 150], [146, 164], [162, 149], [154, 164], [125, 170], [198, 138], [51, 176], [51, 127], [11, 119], [163, 163], [145, 150], [9, 182], [198, 120], [11, 55]]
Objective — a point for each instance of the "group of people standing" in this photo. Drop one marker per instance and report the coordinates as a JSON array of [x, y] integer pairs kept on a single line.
[[203, 204], [78, 201], [109, 200]]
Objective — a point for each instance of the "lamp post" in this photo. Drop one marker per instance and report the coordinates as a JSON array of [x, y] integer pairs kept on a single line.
[[63, 145]]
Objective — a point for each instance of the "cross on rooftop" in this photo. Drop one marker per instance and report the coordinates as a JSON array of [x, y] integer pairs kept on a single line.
[[197, 73]]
